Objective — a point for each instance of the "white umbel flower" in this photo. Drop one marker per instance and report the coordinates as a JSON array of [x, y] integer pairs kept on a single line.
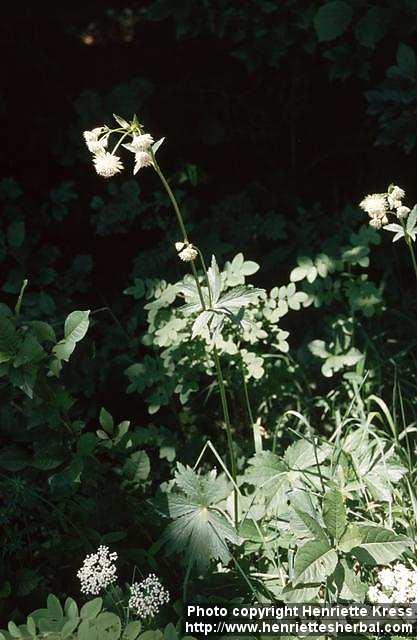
[[107, 165], [98, 571], [402, 212], [142, 142], [142, 159], [395, 585], [147, 597], [189, 253]]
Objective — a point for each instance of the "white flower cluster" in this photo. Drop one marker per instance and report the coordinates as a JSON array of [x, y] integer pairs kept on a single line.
[[378, 205], [147, 597], [98, 571], [397, 585], [186, 251], [108, 164]]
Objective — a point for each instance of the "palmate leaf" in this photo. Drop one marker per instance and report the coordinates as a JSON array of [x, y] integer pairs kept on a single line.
[[199, 528]]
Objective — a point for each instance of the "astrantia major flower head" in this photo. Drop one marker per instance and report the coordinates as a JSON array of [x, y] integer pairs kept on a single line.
[[374, 204], [142, 159], [395, 196], [189, 253], [402, 212], [147, 597], [142, 142], [98, 571], [106, 164], [90, 136]]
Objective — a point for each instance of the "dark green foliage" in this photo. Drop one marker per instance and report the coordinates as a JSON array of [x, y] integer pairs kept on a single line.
[[263, 105]]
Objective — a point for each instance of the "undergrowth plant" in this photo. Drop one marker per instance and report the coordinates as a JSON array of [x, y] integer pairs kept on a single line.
[[293, 512]]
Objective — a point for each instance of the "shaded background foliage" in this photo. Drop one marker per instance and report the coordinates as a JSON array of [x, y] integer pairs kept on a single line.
[[277, 115]]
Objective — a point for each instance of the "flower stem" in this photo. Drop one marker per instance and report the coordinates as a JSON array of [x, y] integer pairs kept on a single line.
[[413, 255], [220, 380], [257, 439], [223, 397]]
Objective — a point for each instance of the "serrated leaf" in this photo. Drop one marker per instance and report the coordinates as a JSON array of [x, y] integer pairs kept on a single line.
[[334, 513], [137, 467]]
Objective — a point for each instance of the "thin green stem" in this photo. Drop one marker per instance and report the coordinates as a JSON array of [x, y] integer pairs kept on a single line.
[[117, 145], [257, 438], [412, 254], [172, 198], [226, 416], [219, 373], [20, 298]]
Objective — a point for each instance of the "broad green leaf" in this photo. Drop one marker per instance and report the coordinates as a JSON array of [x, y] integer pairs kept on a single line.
[[348, 583], [264, 469], [334, 513], [109, 626], [137, 467], [43, 331], [71, 608], [91, 609], [54, 607], [199, 529], [372, 27], [351, 538], [132, 630], [151, 635], [314, 562], [299, 594], [379, 545], [332, 19], [31, 626], [406, 59], [170, 632], [14, 630], [301, 455], [9, 341], [312, 525], [76, 325], [106, 420], [69, 628]]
